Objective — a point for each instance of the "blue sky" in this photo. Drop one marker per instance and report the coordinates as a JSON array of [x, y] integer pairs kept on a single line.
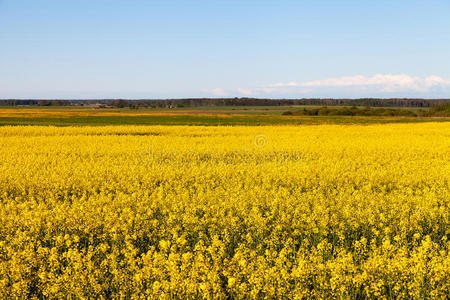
[[165, 49]]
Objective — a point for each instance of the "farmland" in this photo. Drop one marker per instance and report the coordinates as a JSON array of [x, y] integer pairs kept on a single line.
[[341, 207], [224, 150], [207, 116]]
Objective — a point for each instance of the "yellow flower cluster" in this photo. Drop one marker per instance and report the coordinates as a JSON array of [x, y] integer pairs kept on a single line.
[[322, 211]]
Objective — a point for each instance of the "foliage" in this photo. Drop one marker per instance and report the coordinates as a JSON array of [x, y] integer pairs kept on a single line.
[[442, 110], [355, 111]]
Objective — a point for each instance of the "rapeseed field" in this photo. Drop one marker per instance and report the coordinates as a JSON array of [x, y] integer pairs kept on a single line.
[[326, 211]]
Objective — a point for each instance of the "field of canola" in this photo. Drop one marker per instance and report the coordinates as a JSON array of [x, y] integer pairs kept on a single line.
[[322, 211]]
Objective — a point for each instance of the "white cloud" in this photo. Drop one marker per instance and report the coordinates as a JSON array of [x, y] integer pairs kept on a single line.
[[390, 81], [218, 92], [375, 85], [246, 92], [215, 92]]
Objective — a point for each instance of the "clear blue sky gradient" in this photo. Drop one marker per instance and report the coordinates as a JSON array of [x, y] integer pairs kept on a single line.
[[164, 49]]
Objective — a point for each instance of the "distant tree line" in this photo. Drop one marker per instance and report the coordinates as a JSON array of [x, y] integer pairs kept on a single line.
[[195, 102], [53, 102]]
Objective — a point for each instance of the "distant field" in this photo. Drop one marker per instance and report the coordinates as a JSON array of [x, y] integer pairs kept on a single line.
[[238, 115]]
